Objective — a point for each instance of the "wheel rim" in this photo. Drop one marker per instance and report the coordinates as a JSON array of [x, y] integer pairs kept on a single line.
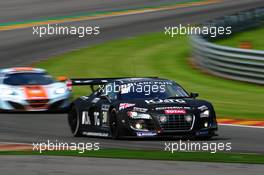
[[74, 122]]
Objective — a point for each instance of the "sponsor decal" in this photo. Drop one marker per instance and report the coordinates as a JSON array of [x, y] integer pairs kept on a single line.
[[175, 111], [99, 134], [136, 115], [84, 98], [125, 105], [18, 69], [137, 109], [95, 100], [35, 92], [201, 133], [142, 134], [151, 83], [171, 107], [203, 108], [125, 89], [158, 101], [105, 107]]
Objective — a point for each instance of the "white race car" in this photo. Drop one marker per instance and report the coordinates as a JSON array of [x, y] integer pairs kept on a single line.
[[31, 89]]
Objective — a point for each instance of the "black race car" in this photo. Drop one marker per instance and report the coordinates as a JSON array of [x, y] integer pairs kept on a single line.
[[140, 107]]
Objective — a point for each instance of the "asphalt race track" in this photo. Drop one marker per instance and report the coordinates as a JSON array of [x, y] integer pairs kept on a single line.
[[29, 165], [20, 47], [33, 128], [19, 10]]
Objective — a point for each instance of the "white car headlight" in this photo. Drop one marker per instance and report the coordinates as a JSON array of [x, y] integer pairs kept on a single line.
[[205, 114], [136, 115], [7, 92], [61, 90]]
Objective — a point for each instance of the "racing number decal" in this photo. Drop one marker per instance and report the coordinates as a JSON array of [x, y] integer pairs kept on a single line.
[[85, 118], [96, 119], [105, 108], [104, 117], [87, 121]]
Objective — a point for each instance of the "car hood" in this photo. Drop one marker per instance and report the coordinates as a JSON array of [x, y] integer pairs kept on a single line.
[[159, 105]]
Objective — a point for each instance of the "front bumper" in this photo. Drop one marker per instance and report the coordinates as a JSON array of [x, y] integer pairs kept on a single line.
[[205, 132], [53, 104], [198, 128]]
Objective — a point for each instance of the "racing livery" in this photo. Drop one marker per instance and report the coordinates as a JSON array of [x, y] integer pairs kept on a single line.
[[140, 107], [31, 89]]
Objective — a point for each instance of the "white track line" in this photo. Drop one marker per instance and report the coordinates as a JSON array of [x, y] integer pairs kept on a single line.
[[242, 126]]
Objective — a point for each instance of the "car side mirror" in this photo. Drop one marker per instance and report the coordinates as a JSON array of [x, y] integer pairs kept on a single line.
[[194, 94], [62, 78]]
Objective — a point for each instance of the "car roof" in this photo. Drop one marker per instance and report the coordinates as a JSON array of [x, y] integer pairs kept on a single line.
[[21, 70]]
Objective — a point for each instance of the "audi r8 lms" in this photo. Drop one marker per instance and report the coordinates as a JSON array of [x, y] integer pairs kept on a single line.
[[140, 107], [31, 89]]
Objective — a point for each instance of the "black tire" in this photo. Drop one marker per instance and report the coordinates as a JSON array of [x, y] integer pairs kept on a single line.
[[114, 125], [74, 122]]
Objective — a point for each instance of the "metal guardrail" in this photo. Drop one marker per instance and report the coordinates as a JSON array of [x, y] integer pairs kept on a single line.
[[232, 63]]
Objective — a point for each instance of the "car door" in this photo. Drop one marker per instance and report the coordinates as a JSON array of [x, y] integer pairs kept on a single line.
[[102, 104]]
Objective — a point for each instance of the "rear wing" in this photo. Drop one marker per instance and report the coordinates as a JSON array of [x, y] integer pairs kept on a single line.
[[91, 81], [97, 81], [94, 81]]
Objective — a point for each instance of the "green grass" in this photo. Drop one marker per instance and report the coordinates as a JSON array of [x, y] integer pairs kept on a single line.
[[255, 36], [158, 55], [154, 155]]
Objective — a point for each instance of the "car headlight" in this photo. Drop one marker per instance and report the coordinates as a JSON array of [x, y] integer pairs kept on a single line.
[[205, 114], [60, 90], [7, 92], [136, 115]]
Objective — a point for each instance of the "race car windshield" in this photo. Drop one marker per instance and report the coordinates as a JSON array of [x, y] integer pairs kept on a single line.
[[28, 79], [160, 91]]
